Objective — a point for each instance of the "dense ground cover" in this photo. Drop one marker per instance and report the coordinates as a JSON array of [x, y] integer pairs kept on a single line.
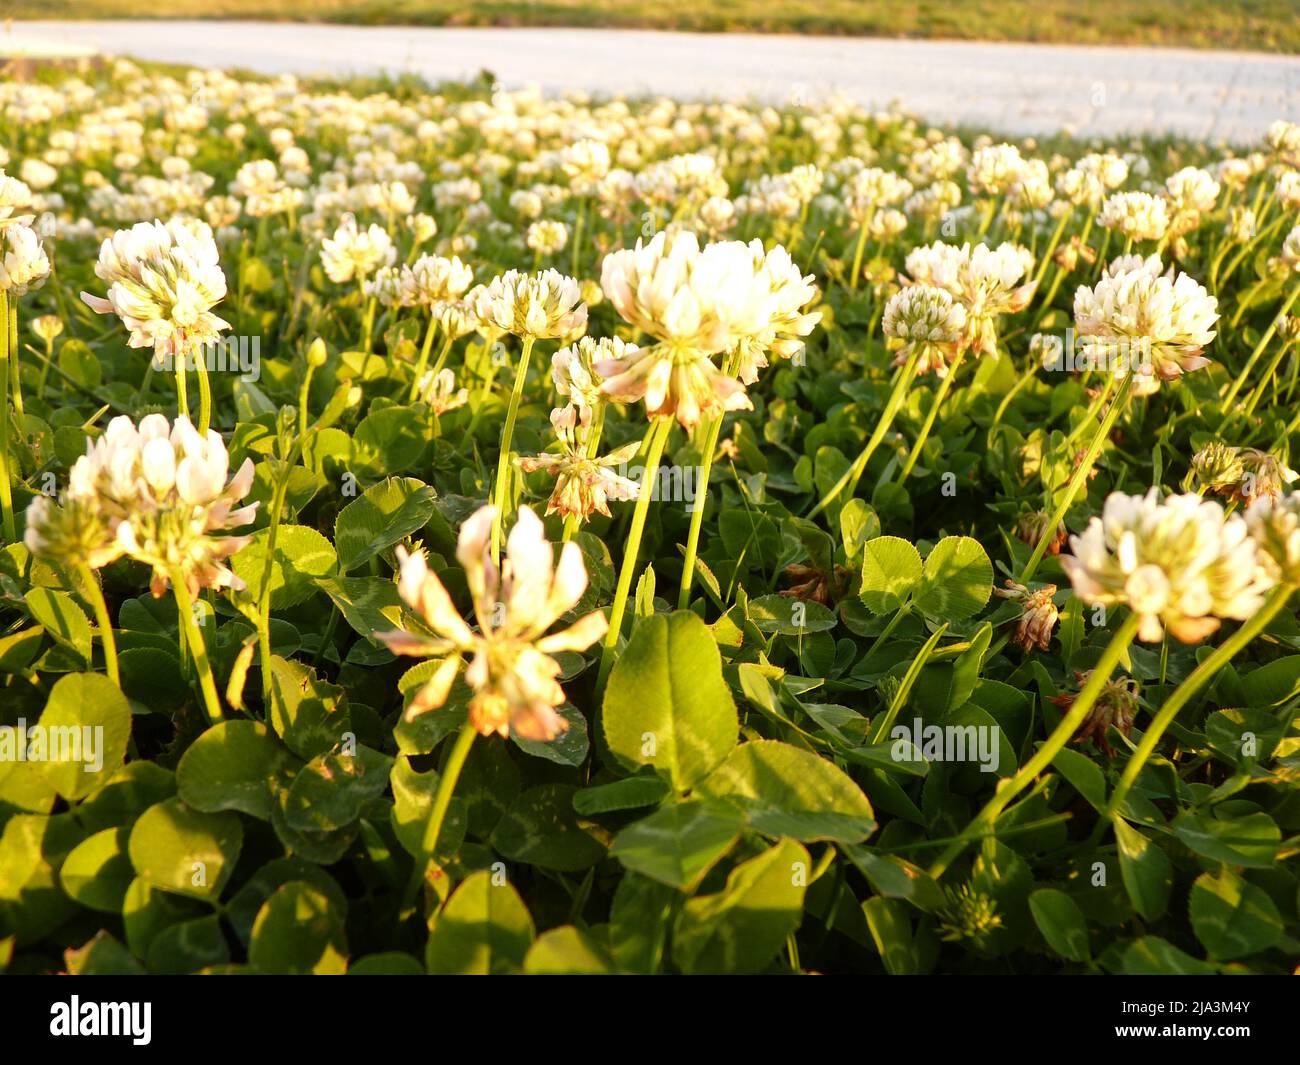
[[369, 604], [1244, 25]]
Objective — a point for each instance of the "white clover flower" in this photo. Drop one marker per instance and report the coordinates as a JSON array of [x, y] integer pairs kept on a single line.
[[163, 281], [164, 494], [929, 322], [23, 264], [1138, 215], [873, 188], [438, 391], [356, 253], [986, 281], [1192, 189], [992, 169], [573, 371], [542, 306], [547, 237], [433, 279], [1291, 250], [583, 485], [1179, 564], [1137, 312], [1275, 525], [15, 197], [585, 162], [512, 673]]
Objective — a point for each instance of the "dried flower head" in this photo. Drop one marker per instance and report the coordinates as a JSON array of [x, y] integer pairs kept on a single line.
[[1038, 615], [584, 484]]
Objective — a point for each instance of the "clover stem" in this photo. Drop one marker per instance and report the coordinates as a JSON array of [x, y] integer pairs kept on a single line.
[[423, 360], [6, 492], [194, 638], [15, 367], [507, 435], [1041, 272], [860, 249], [1259, 348], [268, 568], [711, 433], [205, 391], [656, 437], [940, 395], [1081, 472], [1050, 748], [446, 787], [1197, 679], [95, 595], [182, 395], [854, 473], [1031, 371]]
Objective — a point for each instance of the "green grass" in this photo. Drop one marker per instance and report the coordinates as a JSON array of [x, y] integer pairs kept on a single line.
[[1252, 25]]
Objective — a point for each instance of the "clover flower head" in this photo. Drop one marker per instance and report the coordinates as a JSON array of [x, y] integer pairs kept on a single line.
[[163, 281], [547, 237], [1274, 523], [1137, 215], [1179, 563], [166, 497], [928, 322], [573, 371], [1291, 250], [512, 673], [1115, 707], [70, 532], [353, 252], [541, 306], [1038, 613], [23, 264], [583, 485], [1139, 312], [439, 392], [993, 168], [987, 282], [433, 279], [1033, 526]]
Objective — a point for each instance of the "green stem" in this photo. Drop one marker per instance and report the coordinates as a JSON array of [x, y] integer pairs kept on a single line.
[[1259, 348], [6, 492], [1050, 748], [1081, 473], [423, 360], [944, 386], [264, 591], [182, 396], [194, 639], [1198, 678], [656, 438], [711, 433], [860, 249], [854, 473], [507, 435], [95, 596], [205, 391], [15, 366]]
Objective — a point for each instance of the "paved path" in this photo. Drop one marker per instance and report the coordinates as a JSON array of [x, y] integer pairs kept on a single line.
[[1014, 88]]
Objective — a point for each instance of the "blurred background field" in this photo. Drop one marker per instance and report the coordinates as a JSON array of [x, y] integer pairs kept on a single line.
[[1247, 25]]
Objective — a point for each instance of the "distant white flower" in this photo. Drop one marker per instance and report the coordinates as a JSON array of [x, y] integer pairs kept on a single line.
[[1138, 215], [356, 253]]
